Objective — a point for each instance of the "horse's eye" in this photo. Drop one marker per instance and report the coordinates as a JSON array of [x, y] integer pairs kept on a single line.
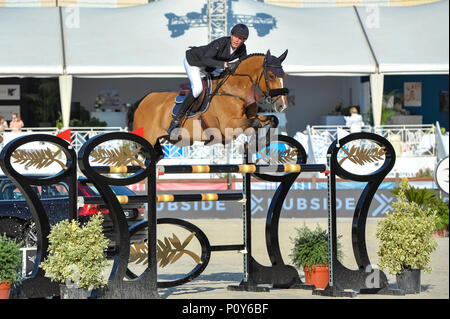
[[271, 76]]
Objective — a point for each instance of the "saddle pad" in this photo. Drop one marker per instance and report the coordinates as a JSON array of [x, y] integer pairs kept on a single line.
[[180, 98]]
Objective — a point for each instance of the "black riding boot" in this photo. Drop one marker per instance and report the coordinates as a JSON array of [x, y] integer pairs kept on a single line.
[[181, 111]]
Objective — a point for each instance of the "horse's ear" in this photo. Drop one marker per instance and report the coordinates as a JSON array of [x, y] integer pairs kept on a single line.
[[268, 53], [283, 56]]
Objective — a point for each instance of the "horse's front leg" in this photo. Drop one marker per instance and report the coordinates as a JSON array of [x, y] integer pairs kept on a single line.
[[244, 123], [237, 126], [271, 120]]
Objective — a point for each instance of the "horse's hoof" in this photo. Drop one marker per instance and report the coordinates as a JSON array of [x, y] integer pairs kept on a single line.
[[274, 121], [256, 123]]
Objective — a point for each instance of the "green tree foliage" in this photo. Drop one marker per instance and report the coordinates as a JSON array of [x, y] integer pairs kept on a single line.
[[45, 103], [10, 260], [428, 199], [311, 247]]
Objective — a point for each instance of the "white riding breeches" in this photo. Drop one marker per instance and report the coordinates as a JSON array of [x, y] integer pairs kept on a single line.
[[194, 74]]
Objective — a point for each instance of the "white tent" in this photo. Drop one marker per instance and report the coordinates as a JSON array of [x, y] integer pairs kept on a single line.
[[30, 42], [321, 41], [131, 41], [150, 40], [410, 40]]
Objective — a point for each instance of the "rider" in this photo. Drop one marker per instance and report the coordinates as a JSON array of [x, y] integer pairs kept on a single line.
[[216, 55]]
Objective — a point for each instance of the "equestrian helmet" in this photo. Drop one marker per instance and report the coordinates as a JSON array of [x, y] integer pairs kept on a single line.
[[240, 30]]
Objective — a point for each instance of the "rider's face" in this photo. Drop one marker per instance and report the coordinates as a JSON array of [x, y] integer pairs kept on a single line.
[[236, 41]]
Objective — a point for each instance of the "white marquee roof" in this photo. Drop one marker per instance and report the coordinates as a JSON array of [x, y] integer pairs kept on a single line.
[[150, 40], [410, 40], [320, 40], [130, 41], [30, 42]]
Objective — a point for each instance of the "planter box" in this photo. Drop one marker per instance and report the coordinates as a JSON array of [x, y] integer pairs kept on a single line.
[[4, 289], [317, 276], [440, 233], [73, 293], [409, 281]]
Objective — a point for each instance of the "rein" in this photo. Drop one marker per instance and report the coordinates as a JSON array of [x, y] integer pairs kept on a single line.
[[219, 85], [271, 92]]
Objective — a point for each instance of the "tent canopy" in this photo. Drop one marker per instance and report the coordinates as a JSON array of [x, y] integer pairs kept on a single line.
[[131, 41], [30, 42], [150, 40], [320, 40], [409, 40]]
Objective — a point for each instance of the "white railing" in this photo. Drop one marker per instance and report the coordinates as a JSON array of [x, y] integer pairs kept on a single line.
[[79, 135], [408, 140], [217, 153]]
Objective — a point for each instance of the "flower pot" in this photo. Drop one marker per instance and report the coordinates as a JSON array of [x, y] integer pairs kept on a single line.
[[409, 281], [4, 289], [318, 276], [440, 233], [68, 292]]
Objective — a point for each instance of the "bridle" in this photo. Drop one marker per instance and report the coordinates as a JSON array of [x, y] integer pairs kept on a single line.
[[277, 93], [271, 96]]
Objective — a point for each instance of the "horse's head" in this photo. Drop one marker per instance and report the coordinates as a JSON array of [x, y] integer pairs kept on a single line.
[[273, 77]]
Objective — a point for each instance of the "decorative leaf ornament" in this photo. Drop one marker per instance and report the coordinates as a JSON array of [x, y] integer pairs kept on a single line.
[[281, 156], [37, 158], [361, 156], [169, 250], [139, 253], [117, 157]]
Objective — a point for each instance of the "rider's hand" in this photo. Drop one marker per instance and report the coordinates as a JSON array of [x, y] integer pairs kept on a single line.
[[233, 64]]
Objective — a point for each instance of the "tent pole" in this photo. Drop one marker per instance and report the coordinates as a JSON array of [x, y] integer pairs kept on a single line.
[[65, 80], [376, 91], [65, 91]]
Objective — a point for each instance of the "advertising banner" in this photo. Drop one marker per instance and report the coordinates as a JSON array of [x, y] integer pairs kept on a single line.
[[298, 204]]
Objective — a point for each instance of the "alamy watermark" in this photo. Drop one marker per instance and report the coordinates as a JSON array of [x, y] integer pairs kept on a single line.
[[372, 280], [73, 280], [72, 17], [372, 20], [262, 143]]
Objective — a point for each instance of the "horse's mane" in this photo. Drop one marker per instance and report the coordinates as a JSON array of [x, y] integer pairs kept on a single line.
[[223, 74], [252, 55]]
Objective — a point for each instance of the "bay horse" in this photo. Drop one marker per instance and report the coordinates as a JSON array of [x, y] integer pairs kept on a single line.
[[233, 104]]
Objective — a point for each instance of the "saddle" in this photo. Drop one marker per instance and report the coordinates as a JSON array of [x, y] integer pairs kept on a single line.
[[201, 103]]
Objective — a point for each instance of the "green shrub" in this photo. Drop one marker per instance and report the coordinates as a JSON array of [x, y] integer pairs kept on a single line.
[[77, 253], [430, 200], [10, 260], [405, 235], [311, 247]]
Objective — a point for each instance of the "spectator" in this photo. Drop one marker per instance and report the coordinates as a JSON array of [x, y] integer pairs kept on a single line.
[[354, 121], [16, 123], [3, 123]]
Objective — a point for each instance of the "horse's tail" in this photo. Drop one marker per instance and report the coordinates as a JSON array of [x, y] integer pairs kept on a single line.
[[130, 113]]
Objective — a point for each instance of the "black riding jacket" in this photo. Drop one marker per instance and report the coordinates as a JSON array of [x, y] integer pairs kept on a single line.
[[215, 54]]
